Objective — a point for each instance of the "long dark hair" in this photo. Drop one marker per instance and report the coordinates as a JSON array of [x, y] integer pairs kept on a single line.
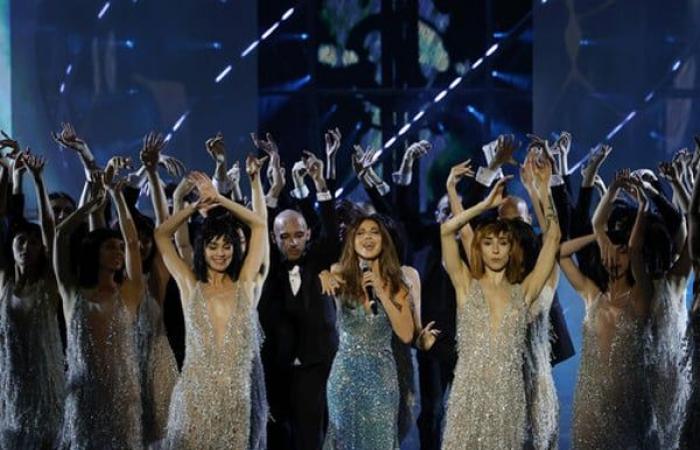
[[213, 227], [33, 230], [88, 260], [145, 226], [389, 264]]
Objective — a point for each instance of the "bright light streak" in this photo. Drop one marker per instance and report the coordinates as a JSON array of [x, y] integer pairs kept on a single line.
[[287, 14], [477, 63], [390, 142], [404, 129], [490, 51], [250, 48], [103, 11], [269, 31], [223, 73], [440, 96], [179, 121], [418, 116], [455, 82]]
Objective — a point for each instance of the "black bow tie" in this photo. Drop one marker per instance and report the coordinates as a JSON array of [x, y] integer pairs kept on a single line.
[[289, 265]]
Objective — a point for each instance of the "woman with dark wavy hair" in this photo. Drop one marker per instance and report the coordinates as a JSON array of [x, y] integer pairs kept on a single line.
[[373, 301], [218, 402]]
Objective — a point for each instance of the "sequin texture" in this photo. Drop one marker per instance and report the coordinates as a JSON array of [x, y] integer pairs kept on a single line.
[[611, 403], [211, 404], [157, 368], [363, 389], [103, 405], [486, 407], [32, 384]]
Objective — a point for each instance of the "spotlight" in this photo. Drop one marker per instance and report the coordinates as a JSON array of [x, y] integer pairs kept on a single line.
[[676, 65], [476, 113]]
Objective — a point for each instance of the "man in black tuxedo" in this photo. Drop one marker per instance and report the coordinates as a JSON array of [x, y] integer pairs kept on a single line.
[[298, 321]]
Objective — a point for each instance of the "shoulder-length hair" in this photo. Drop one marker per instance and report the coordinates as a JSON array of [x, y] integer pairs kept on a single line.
[[89, 258], [389, 264], [214, 227], [496, 227]]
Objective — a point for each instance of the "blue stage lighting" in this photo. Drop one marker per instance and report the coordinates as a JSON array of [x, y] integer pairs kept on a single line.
[[103, 11], [223, 74], [476, 113]]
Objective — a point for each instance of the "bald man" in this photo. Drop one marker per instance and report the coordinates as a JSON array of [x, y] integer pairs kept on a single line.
[[299, 325]]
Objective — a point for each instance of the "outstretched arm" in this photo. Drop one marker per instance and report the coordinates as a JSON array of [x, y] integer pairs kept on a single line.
[[150, 155], [254, 168], [36, 167]]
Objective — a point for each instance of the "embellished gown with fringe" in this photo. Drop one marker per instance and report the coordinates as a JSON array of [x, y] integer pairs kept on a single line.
[[486, 408], [612, 407], [668, 364], [157, 368], [103, 403], [219, 400], [32, 382]]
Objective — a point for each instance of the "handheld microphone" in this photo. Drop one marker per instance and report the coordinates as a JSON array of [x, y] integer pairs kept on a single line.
[[365, 267]]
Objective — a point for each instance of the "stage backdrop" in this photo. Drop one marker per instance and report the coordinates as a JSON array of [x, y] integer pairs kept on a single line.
[[117, 70]]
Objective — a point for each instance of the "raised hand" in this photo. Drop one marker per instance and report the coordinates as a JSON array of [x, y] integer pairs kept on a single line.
[[208, 196], [497, 195], [234, 173], [599, 184], [299, 171], [417, 150], [541, 146], [597, 156], [8, 142], [216, 148], [459, 171], [118, 163], [253, 165], [182, 190], [67, 138], [506, 146], [150, 150], [34, 163], [542, 172], [314, 166], [172, 165], [332, 138]]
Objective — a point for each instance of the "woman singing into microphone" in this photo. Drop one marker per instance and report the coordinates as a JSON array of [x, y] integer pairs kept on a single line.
[[363, 388]]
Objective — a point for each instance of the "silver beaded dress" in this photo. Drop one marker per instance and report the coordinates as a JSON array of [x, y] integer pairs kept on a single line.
[[217, 402], [668, 363], [486, 408], [157, 368], [363, 388], [103, 403], [32, 384], [611, 404]]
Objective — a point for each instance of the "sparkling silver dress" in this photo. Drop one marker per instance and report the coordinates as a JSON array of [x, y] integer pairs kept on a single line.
[[611, 404], [217, 402], [668, 364], [103, 403], [157, 368], [32, 385], [363, 388], [486, 408]]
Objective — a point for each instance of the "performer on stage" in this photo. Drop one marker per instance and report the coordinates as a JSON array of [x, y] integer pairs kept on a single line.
[[372, 300]]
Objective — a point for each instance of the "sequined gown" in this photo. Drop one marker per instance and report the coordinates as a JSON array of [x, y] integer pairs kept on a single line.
[[157, 368], [611, 404], [486, 408], [103, 403], [668, 365], [217, 403], [363, 388], [32, 384]]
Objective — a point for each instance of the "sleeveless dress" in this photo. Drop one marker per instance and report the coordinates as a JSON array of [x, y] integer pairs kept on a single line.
[[668, 365], [103, 403], [363, 387], [486, 408], [218, 402], [691, 428], [32, 384], [611, 403], [157, 368]]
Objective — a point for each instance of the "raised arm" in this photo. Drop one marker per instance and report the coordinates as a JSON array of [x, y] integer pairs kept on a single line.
[[457, 172], [150, 155], [133, 286], [535, 281], [182, 233], [62, 260], [67, 138], [254, 168], [332, 138], [35, 164]]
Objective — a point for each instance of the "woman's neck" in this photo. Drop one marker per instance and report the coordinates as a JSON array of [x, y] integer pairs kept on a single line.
[[492, 277], [619, 287], [217, 279], [106, 281], [24, 274]]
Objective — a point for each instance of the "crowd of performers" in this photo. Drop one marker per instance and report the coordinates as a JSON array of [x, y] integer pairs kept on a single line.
[[284, 319]]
